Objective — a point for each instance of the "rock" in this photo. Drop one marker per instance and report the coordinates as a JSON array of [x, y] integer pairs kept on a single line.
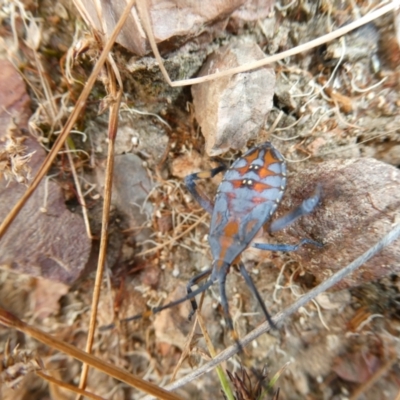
[[45, 296], [172, 22], [233, 109], [357, 367], [253, 10], [360, 203], [46, 239], [139, 135], [171, 18], [131, 186], [51, 242]]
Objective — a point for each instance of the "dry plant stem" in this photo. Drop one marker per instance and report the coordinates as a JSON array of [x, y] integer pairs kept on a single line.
[[175, 238], [142, 6], [373, 379], [112, 132], [207, 338], [393, 235], [275, 378], [220, 369], [11, 321], [186, 349], [69, 124], [273, 381], [67, 386], [52, 114], [81, 198]]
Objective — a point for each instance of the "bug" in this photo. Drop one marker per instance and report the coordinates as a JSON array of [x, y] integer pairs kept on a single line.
[[246, 199]]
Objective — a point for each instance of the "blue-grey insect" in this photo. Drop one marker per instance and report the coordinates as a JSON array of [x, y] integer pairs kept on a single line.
[[246, 199]]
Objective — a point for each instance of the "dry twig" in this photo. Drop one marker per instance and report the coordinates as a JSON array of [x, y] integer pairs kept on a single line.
[[393, 235], [7, 319]]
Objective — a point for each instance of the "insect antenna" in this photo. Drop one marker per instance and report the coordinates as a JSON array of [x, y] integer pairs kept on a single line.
[[156, 310], [254, 290]]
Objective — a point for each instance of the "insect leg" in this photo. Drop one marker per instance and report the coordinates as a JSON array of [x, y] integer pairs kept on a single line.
[[156, 310], [305, 208], [193, 282], [201, 198], [227, 316], [256, 293], [285, 247]]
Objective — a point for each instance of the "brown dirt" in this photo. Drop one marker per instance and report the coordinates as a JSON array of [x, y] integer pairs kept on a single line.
[[336, 344]]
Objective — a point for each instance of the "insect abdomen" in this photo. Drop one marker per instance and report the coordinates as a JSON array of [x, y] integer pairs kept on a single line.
[[246, 199]]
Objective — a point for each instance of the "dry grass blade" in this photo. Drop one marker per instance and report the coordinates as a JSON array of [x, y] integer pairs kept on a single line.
[[175, 238], [220, 370], [186, 349], [250, 385], [112, 133], [203, 328], [69, 124], [142, 5], [80, 195], [276, 396], [275, 378], [393, 235], [11, 321], [68, 386], [374, 378]]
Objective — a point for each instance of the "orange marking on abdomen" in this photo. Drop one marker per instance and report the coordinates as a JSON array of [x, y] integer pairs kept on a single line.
[[231, 228], [258, 200], [225, 243], [260, 187], [269, 158], [253, 156], [250, 225], [264, 172], [237, 183], [242, 170], [219, 264], [249, 159]]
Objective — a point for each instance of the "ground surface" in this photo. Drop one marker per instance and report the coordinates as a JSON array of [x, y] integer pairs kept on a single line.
[[333, 103]]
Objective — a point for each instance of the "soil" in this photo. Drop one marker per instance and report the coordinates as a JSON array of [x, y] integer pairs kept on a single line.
[[333, 103]]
